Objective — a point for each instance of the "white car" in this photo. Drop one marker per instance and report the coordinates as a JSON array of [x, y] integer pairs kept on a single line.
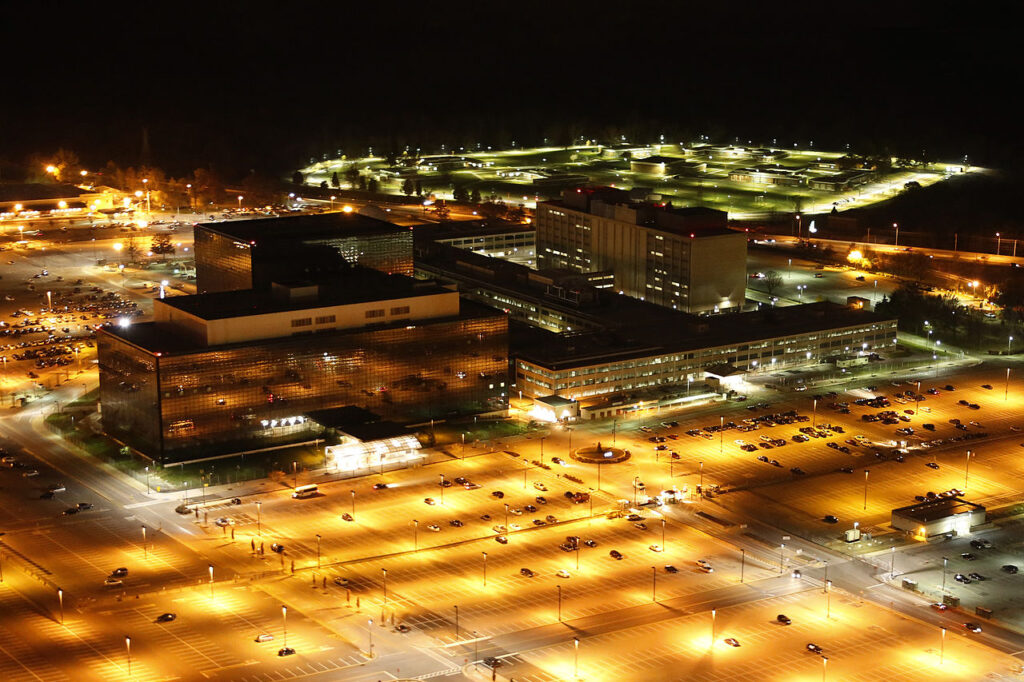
[[517, 512], [562, 573], [655, 548], [434, 527], [264, 637], [705, 565], [113, 582]]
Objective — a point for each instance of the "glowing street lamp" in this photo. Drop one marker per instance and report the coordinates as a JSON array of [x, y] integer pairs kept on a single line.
[[896, 227], [211, 581], [239, 201]]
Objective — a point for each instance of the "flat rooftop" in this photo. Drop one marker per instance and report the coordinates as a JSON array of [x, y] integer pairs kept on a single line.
[[933, 510], [161, 339], [302, 227], [356, 285], [689, 332], [37, 191]]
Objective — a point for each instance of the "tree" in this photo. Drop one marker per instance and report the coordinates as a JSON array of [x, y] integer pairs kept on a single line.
[[419, 188], [362, 182], [772, 281], [516, 214], [459, 193], [352, 175], [162, 245], [131, 250], [335, 182], [408, 187], [297, 178], [260, 190], [441, 210], [474, 196], [373, 185]]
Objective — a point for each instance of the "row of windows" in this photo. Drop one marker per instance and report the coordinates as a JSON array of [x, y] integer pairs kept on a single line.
[[303, 322]]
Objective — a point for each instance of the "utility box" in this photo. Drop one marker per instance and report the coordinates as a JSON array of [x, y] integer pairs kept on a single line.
[[950, 600], [853, 535], [982, 611], [909, 584]]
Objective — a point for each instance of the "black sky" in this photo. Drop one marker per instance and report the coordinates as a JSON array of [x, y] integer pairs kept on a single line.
[[247, 85]]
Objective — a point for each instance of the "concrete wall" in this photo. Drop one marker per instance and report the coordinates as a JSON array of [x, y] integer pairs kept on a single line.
[[279, 324]]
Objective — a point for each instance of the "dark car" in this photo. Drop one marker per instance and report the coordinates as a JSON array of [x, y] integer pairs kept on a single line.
[[830, 519], [976, 576], [541, 499], [814, 647], [784, 619], [526, 572], [967, 556], [277, 548], [501, 539], [987, 386], [931, 465], [286, 651], [846, 470], [590, 543], [973, 627], [797, 470], [119, 572], [84, 506], [961, 578], [1009, 568], [948, 387], [615, 554], [69, 511], [380, 486], [456, 523], [166, 617], [669, 568], [498, 494], [492, 662]]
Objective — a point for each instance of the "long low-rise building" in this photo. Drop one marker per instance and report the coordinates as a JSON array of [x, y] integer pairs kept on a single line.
[[592, 365]]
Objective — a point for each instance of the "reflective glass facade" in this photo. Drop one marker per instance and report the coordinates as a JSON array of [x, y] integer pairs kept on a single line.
[[186, 404]]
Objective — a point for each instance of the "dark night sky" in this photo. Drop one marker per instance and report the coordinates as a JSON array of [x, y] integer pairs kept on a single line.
[[243, 85]]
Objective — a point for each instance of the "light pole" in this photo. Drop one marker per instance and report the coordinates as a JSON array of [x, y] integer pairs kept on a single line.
[[892, 562], [967, 469], [542, 449], [1006, 389], [559, 588], [662, 534], [284, 626], [828, 599], [824, 667], [782, 560], [353, 504], [866, 472], [1008, 342], [384, 572], [415, 535], [506, 519], [211, 581], [60, 598], [713, 613], [721, 433], [442, 489], [239, 202], [259, 518], [145, 549], [999, 242], [576, 658], [942, 647], [917, 399], [897, 228], [654, 584], [814, 415], [944, 562], [147, 480], [318, 551], [700, 486], [743, 562], [485, 568], [456, 622], [369, 632], [128, 649]]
